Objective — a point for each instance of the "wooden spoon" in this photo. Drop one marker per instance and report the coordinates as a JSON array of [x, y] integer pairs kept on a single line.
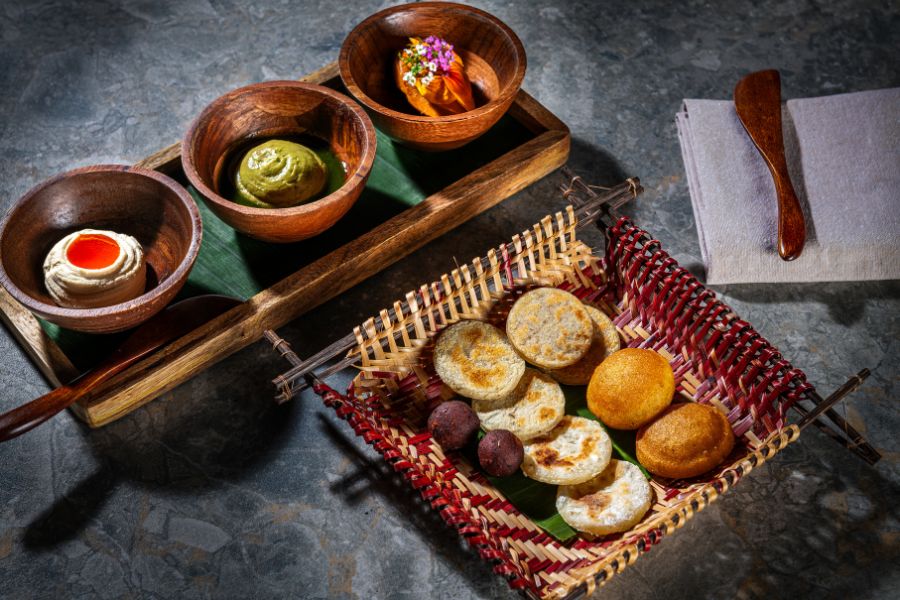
[[757, 99], [170, 324]]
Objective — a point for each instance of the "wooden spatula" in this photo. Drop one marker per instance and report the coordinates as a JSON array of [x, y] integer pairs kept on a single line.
[[757, 99], [170, 324]]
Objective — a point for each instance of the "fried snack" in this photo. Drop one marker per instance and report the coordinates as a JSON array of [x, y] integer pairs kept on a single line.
[[533, 408], [605, 342], [576, 450], [613, 501], [476, 360], [550, 328], [630, 388], [686, 440], [431, 76]]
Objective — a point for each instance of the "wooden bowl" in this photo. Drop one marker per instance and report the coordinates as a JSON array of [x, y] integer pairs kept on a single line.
[[273, 109], [144, 204], [493, 60]]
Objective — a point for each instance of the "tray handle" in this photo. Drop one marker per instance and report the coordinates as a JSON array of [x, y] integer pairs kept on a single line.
[[848, 436]]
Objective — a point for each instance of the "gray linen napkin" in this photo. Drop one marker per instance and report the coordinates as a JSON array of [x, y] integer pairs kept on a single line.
[[843, 154]]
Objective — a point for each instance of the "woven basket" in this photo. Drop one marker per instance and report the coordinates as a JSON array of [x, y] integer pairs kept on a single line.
[[717, 359]]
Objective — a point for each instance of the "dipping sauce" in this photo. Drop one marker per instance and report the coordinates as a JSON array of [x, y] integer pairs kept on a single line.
[[93, 268], [281, 172]]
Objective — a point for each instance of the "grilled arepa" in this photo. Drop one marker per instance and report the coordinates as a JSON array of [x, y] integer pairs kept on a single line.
[[533, 408], [476, 360], [605, 342], [613, 501], [550, 328], [574, 451]]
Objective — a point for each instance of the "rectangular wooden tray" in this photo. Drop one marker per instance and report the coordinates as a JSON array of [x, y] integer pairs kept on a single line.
[[406, 204]]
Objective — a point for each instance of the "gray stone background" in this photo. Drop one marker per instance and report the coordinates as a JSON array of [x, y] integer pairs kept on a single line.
[[212, 491]]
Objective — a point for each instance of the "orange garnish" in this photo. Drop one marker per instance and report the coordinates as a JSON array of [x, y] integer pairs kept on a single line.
[[92, 251]]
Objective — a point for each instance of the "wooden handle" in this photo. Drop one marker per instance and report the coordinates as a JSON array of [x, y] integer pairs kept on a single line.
[[791, 223], [28, 416]]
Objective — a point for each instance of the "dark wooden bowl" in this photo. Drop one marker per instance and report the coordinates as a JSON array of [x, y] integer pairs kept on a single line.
[[493, 60], [144, 204], [272, 109]]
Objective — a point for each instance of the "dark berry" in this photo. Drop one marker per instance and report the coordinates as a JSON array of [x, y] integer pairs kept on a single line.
[[500, 453], [452, 424]]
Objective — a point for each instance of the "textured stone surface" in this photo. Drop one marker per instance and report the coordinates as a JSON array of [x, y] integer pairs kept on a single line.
[[212, 491]]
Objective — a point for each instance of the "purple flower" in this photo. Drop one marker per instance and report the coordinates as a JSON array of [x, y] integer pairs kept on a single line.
[[433, 55]]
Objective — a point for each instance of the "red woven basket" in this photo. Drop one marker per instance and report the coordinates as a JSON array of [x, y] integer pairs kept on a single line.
[[717, 358]]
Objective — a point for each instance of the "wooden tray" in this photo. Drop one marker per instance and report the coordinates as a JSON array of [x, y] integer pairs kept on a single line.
[[407, 203]]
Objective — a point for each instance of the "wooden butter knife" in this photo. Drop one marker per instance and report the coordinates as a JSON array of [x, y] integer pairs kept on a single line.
[[757, 99], [170, 324]]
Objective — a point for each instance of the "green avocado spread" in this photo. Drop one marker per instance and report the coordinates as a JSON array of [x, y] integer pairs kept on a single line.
[[279, 174]]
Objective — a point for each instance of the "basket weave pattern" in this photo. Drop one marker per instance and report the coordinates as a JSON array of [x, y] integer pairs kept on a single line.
[[717, 358]]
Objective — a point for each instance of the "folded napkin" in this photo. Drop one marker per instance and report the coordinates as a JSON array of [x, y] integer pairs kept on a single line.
[[843, 155]]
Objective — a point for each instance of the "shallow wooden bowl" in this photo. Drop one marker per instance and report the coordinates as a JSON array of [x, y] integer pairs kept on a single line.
[[272, 109], [493, 60], [144, 204]]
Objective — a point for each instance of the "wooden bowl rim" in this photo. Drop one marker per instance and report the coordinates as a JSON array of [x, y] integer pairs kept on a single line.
[[121, 308], [367, 157], [506, 94]]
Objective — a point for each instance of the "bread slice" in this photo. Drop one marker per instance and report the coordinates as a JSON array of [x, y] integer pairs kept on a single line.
[[533, 408], [550, 328], [574, 451], [615, 500], [476, 360], [605, 342]]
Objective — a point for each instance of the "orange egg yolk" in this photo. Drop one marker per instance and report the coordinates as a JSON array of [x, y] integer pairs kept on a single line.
[[92, 251]]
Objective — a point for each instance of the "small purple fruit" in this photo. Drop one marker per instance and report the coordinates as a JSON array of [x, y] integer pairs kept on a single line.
[[452, 424], [500, 453]]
